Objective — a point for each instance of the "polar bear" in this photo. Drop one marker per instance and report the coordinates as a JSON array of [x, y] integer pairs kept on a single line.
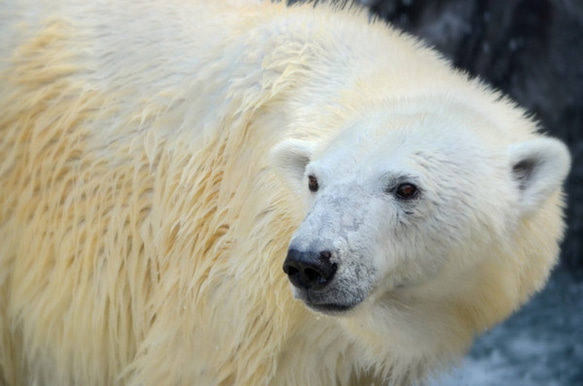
[[241, 192]]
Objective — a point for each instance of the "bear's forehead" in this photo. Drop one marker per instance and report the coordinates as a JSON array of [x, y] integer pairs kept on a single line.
[[423, 150], [401, 145]]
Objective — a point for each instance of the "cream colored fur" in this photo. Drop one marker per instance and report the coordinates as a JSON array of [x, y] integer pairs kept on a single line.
[[143, 228]]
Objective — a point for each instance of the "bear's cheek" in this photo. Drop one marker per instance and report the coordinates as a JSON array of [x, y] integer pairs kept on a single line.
[[408, 253]]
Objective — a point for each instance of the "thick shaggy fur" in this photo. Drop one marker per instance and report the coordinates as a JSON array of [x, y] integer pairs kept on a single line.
[[143, 229]]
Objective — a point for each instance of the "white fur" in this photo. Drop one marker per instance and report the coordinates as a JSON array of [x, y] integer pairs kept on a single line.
[[154, 171]]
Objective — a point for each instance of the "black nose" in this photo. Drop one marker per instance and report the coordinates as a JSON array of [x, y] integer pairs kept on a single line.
[[309, 270]]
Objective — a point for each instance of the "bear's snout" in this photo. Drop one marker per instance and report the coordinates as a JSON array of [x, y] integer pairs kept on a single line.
[[308, 269]]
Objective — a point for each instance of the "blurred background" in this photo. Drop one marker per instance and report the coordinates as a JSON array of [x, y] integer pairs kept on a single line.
[[533, 51]]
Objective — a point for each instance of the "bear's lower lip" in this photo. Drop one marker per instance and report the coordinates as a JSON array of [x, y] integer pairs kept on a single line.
[[330, 308]]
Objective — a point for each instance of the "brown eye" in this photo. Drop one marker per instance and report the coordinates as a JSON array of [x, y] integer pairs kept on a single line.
[[313, 184], [406, 191]]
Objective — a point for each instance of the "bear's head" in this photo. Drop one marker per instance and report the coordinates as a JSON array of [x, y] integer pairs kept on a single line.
[[404, 202]]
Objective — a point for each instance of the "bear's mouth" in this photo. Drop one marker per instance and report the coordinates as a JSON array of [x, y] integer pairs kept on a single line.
[[330, 308], [330, 302]]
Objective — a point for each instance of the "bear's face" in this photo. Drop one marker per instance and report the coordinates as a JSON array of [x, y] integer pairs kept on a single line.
[[390, 204]]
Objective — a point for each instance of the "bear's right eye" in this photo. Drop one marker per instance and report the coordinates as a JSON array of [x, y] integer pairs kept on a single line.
[[313, 184], [406, 191]]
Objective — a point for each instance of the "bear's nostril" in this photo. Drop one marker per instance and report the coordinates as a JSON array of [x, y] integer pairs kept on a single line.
[[313, 276], [289, 269]]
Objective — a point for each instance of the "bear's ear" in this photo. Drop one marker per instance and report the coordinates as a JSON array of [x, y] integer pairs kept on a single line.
[[290, 158], [539, 167]]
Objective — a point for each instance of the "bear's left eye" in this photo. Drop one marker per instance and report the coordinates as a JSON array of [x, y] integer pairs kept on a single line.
[[313, 184], [406, 191]]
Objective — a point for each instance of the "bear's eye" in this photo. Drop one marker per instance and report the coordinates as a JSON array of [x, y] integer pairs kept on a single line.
[[313, 184], [406, 191]]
